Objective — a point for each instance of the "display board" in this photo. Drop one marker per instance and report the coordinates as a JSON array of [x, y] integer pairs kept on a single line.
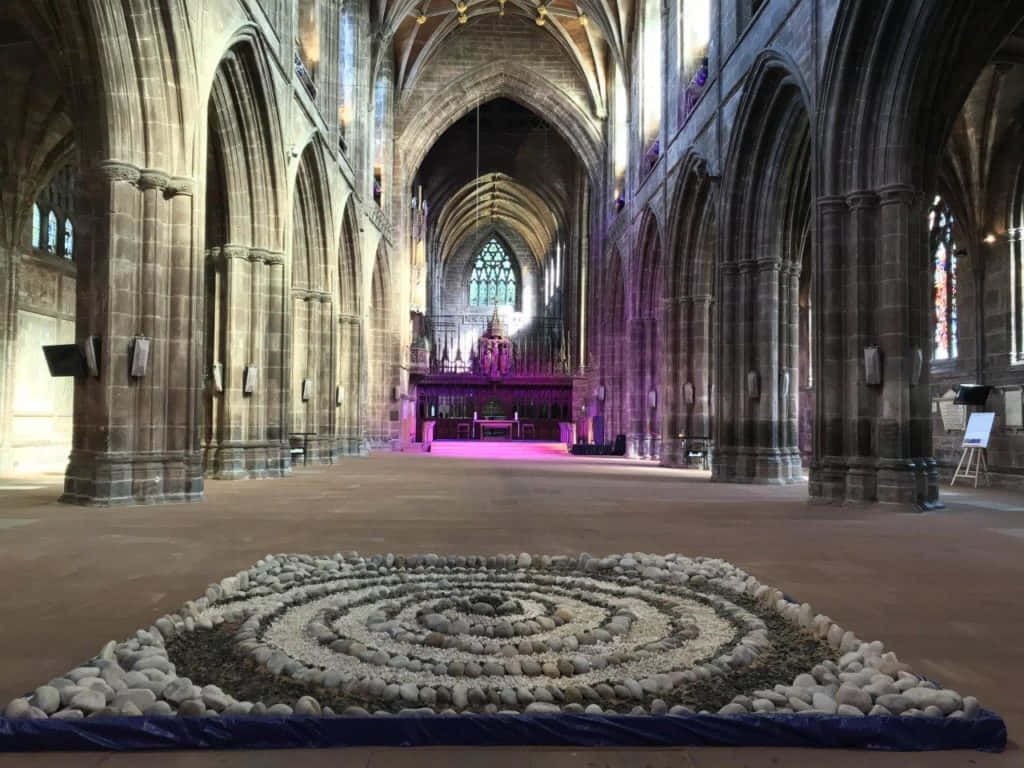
[[979, 428]]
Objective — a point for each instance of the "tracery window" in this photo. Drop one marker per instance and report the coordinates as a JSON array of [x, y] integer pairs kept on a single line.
[[944, 279], [37, 225], [69, 239], [493, 280], [51, 233]]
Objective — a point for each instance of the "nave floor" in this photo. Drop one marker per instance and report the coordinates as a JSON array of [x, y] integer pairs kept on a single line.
[[75, 577]]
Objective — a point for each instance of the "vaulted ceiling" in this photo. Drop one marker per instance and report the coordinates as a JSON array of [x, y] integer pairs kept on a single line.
[[591, 33]]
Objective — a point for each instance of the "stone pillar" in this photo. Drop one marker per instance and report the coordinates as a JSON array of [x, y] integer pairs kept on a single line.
[[828, 465], [636, 399], [136, 440]]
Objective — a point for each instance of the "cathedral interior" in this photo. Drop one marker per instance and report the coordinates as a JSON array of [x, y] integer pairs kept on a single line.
[[732, 277]]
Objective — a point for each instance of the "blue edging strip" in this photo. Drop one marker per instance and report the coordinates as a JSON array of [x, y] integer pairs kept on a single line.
[[987, 732]]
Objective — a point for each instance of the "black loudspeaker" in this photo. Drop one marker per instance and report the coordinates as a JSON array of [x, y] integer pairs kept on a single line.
[[64, 360], [972, 394]]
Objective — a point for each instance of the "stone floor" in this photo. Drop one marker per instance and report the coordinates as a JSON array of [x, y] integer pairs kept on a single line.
[[942, 589]]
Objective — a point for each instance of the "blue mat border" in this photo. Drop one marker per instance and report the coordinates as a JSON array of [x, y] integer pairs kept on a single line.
[[986, 733]]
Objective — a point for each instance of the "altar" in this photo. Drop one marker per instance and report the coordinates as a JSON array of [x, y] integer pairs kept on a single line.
[[495, 398], [494, 429]]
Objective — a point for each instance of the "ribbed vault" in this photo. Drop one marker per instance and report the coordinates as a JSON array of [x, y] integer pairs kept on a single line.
[[496, 197]]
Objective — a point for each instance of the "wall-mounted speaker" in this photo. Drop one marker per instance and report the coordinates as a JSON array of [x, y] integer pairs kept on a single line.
[[652, 399], [918, 362], [599, 393], [249, 380], [753, 385], [91, 353], [784, 381], [872, 366], [396, 393], [339, 395], [688, 393], [307, 389], [140, 356], [217, 377]]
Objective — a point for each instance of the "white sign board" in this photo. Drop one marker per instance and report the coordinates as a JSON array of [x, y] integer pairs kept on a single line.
[[978, 430]]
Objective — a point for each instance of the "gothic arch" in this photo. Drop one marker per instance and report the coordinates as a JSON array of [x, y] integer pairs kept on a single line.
[[383, 353], [690, 289], [246, 313], [243, 131], [765, 216], [314, 333], [646, 327], [500, 80]]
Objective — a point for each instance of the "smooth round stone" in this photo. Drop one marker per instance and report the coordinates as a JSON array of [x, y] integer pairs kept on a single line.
[[473, 670], [409, 692], [158, 708], [68, 714], [733, 709], [550, 669], [390, 692], [460, 697], [593, 709], [565, 667], [354, 712], [824, 703], [509, 698], [307, 705], [658, 707], [679, 709], [191, 708], [18, 709], [879, 711], [46, 698], [456, 669], [855, 697], [531, 668], [88, 701], [279, 710], [847, 710], [476, 697], [573, 694], [605, 691], [493, 668], [540, 707]]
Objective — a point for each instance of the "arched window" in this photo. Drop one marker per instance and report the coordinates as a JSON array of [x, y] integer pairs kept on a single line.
[[37, 225], [651, 79], [51, 233], [69, 239], [943, 251], [493, 281], [695, 37]]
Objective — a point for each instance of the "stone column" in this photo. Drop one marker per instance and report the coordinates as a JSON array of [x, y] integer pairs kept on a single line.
[[731, 370], [135, 439], [828, 465], [636, 399], [275, 328], [897, 469], [860, 401]]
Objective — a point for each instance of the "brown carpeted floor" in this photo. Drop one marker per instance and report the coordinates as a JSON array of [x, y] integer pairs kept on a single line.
[[942, 589]]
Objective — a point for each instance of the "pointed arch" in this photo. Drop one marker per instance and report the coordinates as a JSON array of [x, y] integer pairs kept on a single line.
[[765, 219], [244, 134], [425, 125], [688, 372]]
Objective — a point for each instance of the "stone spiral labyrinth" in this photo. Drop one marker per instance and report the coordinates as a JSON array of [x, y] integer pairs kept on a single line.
[[430, 634]]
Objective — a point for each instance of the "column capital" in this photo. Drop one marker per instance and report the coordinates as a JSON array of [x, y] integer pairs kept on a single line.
[[863, 198], [900, 194]]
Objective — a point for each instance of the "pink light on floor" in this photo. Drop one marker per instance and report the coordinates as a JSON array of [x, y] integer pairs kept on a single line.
[[499, 450]]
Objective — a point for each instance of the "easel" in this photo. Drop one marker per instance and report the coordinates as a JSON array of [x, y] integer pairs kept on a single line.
[[975, 443], [975, 455]]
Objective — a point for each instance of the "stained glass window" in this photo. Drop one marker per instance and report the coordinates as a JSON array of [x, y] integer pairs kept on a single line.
[[69, 239], [493, 280], [51, 232], [37, 225], [943, 250]]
